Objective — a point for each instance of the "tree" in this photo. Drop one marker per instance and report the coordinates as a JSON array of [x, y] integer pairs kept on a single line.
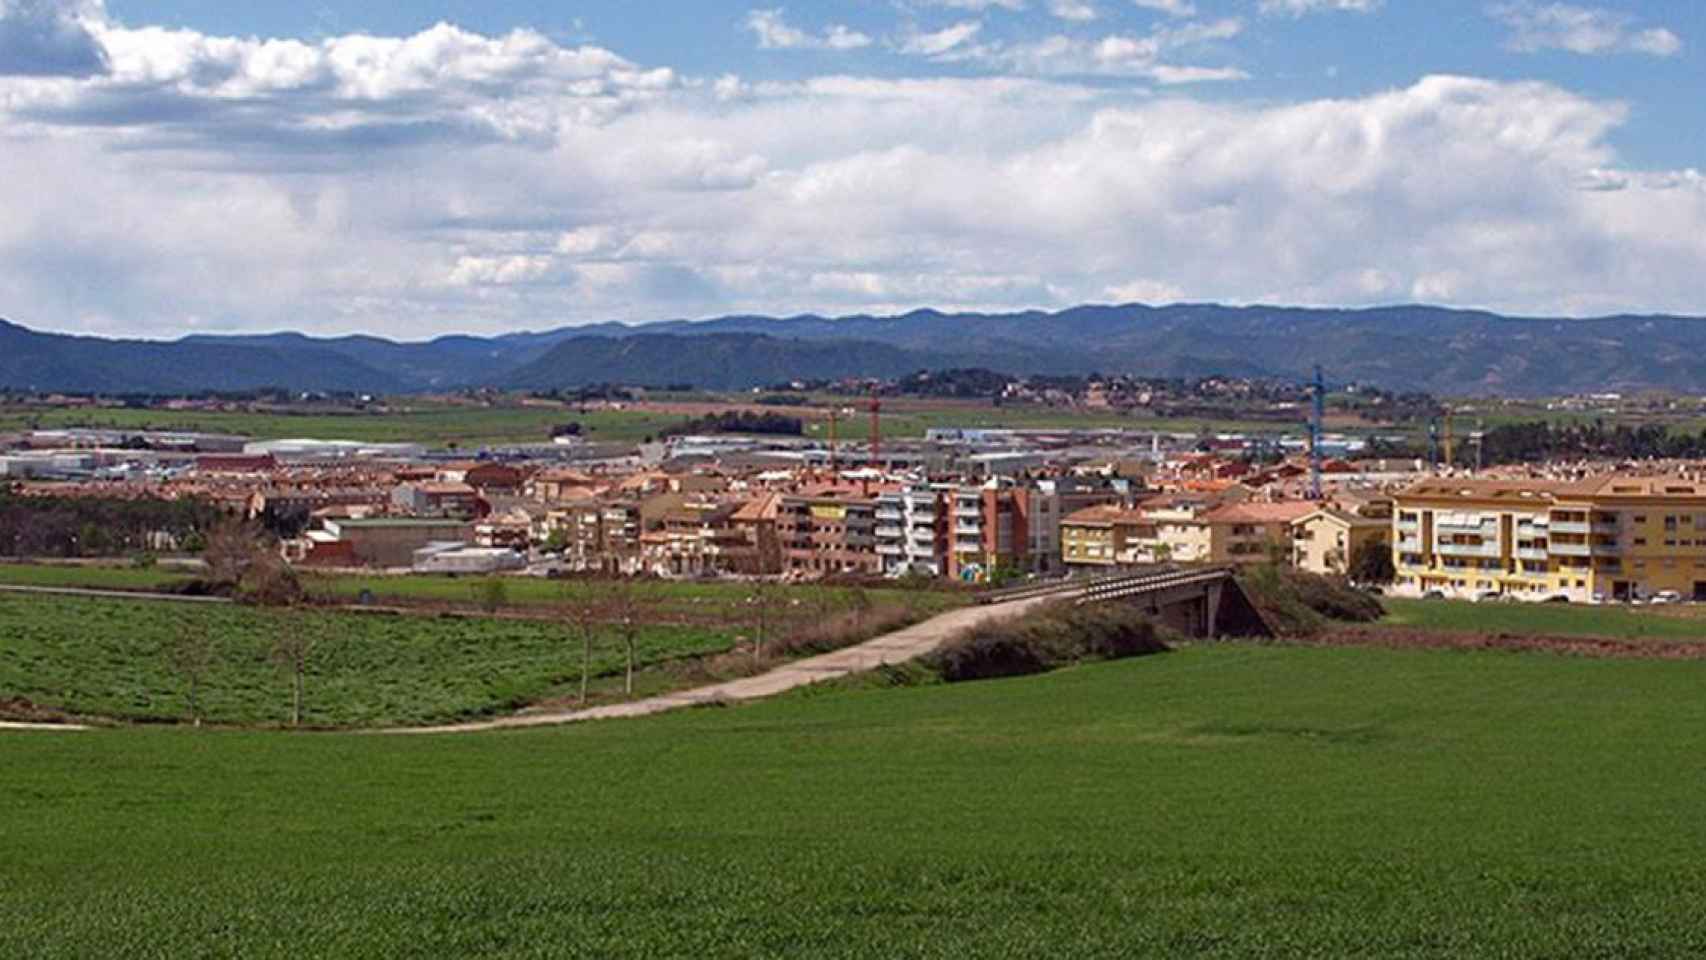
[[230, 550], [583, 613], [625, 605], [763, 602], [1371, 562], [191, 656], [492, 594], [293, 651]]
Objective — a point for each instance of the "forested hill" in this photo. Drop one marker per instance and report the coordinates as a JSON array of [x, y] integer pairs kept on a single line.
[[1450, 352]]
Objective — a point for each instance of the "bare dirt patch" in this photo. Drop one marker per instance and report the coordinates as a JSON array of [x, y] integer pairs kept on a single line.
[[1601, 647]]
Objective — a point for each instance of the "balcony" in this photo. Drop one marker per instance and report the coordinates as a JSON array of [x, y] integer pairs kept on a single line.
[[923, 516], [1532, 553], [1486, 528], [889, 513], [1571, 549], [1582, 528], [1484, 551], [969, 530], [1411, 545], [1611, 529], [891, 550], [890, 533]]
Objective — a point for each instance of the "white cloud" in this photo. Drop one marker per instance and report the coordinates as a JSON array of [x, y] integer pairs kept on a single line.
[[1144, 56], [939, 42], [1585, 30], [454, 181], [1077, 11], [977, 6], [1298, 8], [774, 33], [1172, 8]]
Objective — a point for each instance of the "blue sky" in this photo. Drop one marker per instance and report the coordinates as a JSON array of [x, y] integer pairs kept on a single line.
[[415, 167]]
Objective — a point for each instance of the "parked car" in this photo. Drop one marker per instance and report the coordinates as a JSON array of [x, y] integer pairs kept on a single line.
[[1489, 596], [1434, 595], [1666, 597]]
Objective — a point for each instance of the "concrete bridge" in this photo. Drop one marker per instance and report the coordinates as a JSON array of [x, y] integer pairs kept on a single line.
[[1203, 602]]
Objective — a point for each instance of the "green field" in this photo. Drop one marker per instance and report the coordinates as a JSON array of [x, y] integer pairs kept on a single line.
[[466, 427], [470, 427], [1546, 619], [660, 601], [110, 658], [1224, 801], [92, 577]]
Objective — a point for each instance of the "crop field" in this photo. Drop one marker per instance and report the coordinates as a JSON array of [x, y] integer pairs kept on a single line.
[[657, 601], [1547, 619], [113, 658], [1222, 801]]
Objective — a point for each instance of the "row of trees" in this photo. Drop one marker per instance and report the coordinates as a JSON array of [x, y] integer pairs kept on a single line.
[[742, 421], [96, 527]]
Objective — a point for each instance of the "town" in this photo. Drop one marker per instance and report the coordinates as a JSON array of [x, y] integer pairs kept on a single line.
[[971, 506]]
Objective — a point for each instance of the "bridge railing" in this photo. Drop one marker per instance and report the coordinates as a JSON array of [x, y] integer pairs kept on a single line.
[[1119, 588], [1073, 587]]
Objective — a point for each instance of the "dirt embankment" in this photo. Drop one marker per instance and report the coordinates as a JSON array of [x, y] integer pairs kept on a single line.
[[1603, 647]]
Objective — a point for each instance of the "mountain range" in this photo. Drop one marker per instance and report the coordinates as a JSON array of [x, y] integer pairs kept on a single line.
[[1451, 352]]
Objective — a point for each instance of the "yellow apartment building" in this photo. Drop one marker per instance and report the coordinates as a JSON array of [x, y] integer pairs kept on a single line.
[[1608, 538]]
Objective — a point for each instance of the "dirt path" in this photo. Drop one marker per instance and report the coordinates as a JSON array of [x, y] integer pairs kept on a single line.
[[898, 647], [6, 726]]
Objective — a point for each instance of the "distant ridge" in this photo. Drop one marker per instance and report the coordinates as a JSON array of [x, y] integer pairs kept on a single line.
[[1401, 347]]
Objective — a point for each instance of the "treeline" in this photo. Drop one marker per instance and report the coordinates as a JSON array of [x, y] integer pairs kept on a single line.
[[1540, 440], [741, 421], [78, 527]]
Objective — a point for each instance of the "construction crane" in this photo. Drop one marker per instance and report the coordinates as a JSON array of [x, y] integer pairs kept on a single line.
[[834, 464], [876, 428], [1317, 425]]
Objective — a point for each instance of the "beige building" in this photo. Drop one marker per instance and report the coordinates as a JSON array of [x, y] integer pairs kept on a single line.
[[1325, 540]]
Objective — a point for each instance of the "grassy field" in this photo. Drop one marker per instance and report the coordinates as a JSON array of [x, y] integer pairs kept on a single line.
[[658, 601], [110, 658], [470, 427], [467, 427], [1224, 801], [1545, 619], [89, 577]]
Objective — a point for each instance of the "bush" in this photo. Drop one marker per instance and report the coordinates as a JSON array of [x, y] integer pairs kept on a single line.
[[1053, 637], [1299, 604]]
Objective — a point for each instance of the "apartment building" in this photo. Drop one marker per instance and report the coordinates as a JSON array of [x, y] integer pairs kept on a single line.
[[1325, 540], [1107, 538], [1252, 532], [1609, 538], [828, 532], [912, 530]]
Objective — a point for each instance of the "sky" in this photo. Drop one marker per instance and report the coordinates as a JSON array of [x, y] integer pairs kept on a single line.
[[417, 168]]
